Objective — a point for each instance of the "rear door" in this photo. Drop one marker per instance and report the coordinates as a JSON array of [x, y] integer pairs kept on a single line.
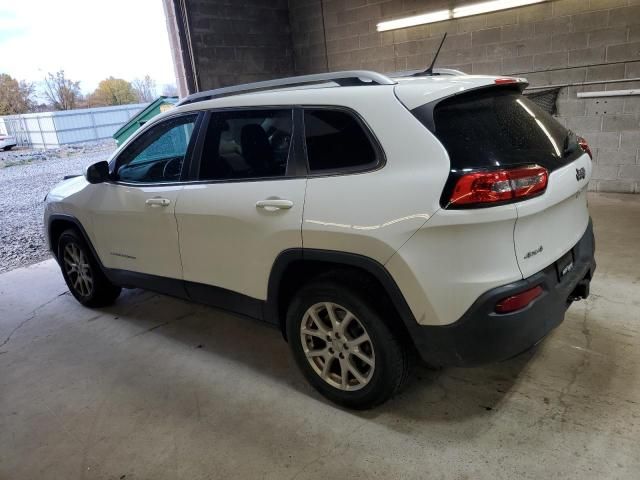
[[245, 206], [498, 128]]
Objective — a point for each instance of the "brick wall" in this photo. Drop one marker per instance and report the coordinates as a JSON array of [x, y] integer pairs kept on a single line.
[[554, 43], [239, 41]]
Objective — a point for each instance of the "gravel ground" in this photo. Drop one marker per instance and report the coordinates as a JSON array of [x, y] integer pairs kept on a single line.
[[25, 178]]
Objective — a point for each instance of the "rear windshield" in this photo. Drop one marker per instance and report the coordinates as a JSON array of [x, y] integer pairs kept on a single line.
[[496, 127]]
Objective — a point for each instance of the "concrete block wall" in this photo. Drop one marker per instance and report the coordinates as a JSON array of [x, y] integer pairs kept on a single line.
[[554, 43], [239, 41], [573, 43]]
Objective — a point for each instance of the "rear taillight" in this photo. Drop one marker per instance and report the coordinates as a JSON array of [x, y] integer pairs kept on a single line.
[[499, 186], [585, 146], [518, 301]]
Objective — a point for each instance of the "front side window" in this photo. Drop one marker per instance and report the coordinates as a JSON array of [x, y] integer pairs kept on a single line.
[[335, 140], [158, 154], [247, 144]]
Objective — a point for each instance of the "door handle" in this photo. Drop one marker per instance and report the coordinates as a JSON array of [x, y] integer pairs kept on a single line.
[[273, 204], [157, 201]]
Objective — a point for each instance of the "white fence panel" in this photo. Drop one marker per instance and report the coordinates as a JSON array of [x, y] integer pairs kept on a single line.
[[50, 129], [107, 131], [77, 135], [69, 122]]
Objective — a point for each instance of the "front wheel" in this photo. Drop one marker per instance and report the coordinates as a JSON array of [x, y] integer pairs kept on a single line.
[[344, 346], [82, 273]]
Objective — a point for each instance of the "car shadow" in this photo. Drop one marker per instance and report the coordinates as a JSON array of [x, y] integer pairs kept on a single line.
[[252, 343], [454, 394], [432, 396]]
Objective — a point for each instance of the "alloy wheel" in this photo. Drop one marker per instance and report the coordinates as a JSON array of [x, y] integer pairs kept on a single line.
[[76, 265], [337, 346]]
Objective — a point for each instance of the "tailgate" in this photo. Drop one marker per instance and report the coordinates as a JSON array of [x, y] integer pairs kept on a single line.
[[494, 131], [550, 225]]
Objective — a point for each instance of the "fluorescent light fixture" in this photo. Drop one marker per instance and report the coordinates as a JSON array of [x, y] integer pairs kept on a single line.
[[433, 17], [494, 6], [458, 12]]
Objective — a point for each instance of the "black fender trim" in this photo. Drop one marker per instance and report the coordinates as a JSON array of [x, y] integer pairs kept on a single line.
[[83, 232], [271, 311], [369, 265], [114, 276]]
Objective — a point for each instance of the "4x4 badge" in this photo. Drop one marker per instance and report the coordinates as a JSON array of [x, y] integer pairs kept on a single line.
[[533, 252], [581, 173]]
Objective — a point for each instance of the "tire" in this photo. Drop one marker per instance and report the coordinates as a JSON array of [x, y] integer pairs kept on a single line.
[[90, 287], [391, 356]]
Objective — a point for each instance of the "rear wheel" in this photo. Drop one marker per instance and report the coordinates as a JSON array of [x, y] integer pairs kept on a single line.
[[344, 346], [82, 273]]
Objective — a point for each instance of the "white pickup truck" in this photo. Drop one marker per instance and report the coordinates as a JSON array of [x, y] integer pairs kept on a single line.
[[7, 142]]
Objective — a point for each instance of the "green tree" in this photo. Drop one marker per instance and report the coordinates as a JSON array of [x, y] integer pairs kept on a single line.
[[61, 93], [113, 91], [15, 97]]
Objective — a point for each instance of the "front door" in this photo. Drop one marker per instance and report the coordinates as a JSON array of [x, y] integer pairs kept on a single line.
[[133, 216], [246, 206]]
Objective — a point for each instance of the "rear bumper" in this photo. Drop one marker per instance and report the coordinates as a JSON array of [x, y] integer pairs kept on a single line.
[[483, 336]]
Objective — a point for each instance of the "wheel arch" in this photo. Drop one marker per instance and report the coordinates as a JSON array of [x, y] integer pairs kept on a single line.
[[57, 224], [295, 267]]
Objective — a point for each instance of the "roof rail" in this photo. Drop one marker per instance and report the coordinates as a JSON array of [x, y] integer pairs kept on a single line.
[[436, 72], [344, 79]]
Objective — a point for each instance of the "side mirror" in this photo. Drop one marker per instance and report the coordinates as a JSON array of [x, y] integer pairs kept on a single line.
[[97, 173]]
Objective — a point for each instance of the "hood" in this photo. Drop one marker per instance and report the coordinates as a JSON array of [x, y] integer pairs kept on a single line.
[[67, 187]]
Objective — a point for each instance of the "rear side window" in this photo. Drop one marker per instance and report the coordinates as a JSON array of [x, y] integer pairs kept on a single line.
[[498, 127], [337, 141], [247, 144]]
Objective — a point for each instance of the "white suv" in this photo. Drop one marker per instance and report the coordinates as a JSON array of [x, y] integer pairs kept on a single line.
[[369, 218]]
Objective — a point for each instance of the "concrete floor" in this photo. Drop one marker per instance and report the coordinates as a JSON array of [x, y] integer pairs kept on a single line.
[[155, 388]]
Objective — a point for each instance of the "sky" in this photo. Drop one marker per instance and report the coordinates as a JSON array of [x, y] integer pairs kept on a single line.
[[89, 39]]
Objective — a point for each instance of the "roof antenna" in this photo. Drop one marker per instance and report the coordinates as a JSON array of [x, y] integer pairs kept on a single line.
[[429, 71]]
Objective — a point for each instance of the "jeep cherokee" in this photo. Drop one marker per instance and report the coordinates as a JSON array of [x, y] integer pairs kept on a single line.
[[369, 217]]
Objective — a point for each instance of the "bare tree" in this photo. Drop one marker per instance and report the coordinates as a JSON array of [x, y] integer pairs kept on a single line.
[[15, 97], [62, 93], [145, 89], [170, 90]]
